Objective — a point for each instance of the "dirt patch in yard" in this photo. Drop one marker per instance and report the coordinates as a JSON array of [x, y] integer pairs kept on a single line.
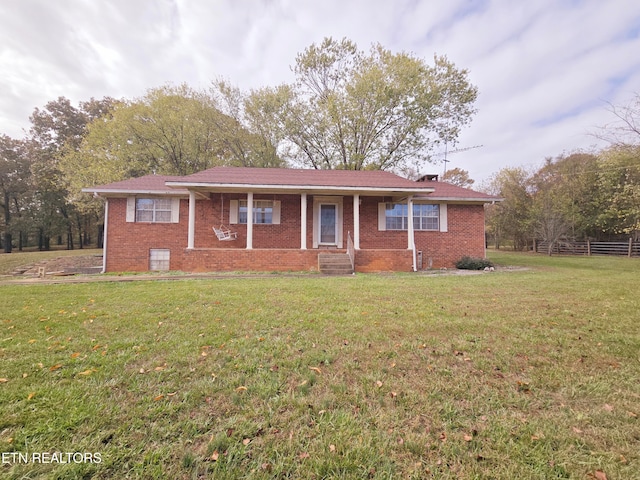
[[86, 264]]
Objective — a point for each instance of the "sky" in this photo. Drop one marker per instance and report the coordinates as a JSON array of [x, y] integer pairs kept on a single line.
[[547, 71]]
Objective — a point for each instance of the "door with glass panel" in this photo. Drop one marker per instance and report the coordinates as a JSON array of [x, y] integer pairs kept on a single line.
[[328, 224]]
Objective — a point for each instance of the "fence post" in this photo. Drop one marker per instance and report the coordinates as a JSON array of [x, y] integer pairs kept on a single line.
[[630, 246], [588, 247]]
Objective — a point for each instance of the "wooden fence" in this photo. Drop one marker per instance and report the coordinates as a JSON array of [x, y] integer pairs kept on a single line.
[[628, 249]]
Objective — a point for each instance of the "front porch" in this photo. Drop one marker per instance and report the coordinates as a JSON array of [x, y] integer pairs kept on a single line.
[[284, 260]]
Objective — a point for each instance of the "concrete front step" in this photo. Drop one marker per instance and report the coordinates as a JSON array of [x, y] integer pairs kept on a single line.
[[334, 264]]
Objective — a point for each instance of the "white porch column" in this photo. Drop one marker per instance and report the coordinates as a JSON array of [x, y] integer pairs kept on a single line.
[[356, 221], [410, 223], [303, 221], [105, 236], [249, 220], [411, 231], [191, 236]]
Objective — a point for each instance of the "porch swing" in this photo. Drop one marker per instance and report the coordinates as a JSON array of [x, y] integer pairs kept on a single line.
[[223, 233]]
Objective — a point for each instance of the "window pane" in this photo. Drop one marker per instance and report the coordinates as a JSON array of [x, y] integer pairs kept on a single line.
[[262, 211], [426, 216], [153, 210], [396, 216]]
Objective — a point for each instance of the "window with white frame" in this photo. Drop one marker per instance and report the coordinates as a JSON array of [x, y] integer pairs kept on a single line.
[[425, 216], [262, 211], [153, 210]]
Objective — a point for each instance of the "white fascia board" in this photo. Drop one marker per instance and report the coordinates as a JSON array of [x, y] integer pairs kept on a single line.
[[458, 199], [126, 192], [301, 188]]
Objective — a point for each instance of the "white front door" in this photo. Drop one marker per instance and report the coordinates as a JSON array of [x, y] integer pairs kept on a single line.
[[328, 224]]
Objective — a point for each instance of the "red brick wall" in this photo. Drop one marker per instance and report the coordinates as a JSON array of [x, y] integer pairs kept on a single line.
[[212, 260], [465, 236], [128, 244]]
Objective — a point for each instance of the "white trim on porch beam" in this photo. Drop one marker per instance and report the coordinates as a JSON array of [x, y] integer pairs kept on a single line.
[[191, 235], [250, 221], [303, 221]]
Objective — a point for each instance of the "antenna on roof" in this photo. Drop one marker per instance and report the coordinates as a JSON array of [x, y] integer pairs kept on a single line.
[[457, 150]]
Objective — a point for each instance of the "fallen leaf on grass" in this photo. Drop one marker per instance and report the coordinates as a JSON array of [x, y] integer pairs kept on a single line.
[[75, 355], [241, 389], [4, 380], [32, 340], [632, 414], [600, 475], [214, 456], [467, 437], [246, 441], [316, 369], [87, 372], [332, 448], [159, 397], [55, 367], [31, 395], [379, 384]]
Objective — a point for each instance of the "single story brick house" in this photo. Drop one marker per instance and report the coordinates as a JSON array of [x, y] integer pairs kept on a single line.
[[271, 219]]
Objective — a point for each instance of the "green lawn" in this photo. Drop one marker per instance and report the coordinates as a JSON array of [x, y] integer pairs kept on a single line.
[[523, 374]]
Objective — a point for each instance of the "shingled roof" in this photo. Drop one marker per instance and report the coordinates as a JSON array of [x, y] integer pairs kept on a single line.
[[298, 178], [290, 180], [150, 184]]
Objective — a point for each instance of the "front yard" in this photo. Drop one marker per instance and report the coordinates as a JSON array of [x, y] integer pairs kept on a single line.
[[523, 374]]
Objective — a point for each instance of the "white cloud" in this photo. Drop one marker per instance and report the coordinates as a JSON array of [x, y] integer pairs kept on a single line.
[[545, 69]]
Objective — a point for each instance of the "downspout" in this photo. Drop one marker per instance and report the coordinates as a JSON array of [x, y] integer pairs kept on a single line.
[[104, 236]]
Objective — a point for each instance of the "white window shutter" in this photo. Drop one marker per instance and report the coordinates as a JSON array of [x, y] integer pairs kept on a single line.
[[443, 218], [175, 210], [382, 217], [233, 211], [275, 216], [131, 209]]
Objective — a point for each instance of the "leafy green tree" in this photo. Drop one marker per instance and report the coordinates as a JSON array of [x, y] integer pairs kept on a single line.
[[459, 177], [619, 191], [565, 198], [14, 187], [56, 131], [511, 219], [170, 131], [354, 110]]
